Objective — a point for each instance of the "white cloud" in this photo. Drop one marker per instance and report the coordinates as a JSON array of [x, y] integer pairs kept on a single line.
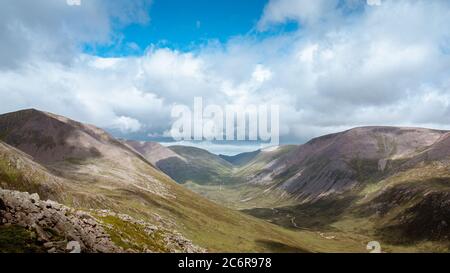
[[374, 2], [52, 30], [73, 2], [304, 11], [126, 124], [337, 71]]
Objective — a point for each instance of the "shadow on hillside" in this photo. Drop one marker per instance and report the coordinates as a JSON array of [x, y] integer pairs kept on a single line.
[[278, 247], [315, 216]]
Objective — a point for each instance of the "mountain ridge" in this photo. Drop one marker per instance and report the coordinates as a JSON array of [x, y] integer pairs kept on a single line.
[[118, 179]]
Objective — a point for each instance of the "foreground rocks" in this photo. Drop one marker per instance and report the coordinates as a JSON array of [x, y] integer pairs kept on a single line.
[[172, 240], [61, 229], [55, 225]]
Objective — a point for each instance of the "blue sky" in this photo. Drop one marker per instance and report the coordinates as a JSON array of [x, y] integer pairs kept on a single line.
[[186, 25], [183, 25]]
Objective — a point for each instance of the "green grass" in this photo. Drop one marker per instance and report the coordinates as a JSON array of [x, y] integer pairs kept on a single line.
[[14, 239], [197, 165], [133, 236], [26, 179]]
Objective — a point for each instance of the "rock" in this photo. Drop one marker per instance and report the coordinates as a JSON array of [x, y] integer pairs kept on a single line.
[[42, 235], [34, 198], [39, 216], [74, 247], [8, 216], [54, 224], [52, 250], [2, 205], [48, 245]]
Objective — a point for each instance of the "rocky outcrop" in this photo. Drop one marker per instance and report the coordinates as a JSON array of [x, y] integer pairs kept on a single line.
[[55, 225], [171, 240], [61, 229]]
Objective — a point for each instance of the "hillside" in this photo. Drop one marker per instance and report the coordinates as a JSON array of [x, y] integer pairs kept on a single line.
[[185, 164], [241, 159], [337, 163], [53, 156], [332, 194], [152, 151], [386, 183]]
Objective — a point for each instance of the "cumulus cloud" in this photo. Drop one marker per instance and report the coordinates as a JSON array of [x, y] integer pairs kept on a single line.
[[304, 11], [53, 30], [126, 124], [349, 64]]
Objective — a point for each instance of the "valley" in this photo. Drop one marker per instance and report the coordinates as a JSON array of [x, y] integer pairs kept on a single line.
[[385, 183], [334, 193]]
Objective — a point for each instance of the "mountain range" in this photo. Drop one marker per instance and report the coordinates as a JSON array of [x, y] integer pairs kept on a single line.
[[334, 193]]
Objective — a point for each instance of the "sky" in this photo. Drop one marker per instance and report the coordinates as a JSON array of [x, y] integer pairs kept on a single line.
[[330, 64]]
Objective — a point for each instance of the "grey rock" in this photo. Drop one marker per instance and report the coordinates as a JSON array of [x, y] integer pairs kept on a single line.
[[34, 198], [2, 205], [52, 250]]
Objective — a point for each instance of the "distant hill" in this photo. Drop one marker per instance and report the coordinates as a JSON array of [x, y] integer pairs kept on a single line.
[[184, 164], [241, 159]]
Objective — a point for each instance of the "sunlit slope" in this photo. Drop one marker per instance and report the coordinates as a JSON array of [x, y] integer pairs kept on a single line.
[[406, 206]]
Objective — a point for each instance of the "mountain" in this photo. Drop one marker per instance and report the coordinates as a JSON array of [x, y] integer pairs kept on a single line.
[[51, 138], [332, 194], [83, 167], [240, 159], [388, 183], [236, 189], [185, 164], [199, 166], [218, 178], [336, 163], [152, 151]]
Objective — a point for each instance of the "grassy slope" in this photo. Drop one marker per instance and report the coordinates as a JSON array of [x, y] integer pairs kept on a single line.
[[241, 195], [14, 239], [338, 219], [198, 166], [205, 223], [329, 227], [387, 211]]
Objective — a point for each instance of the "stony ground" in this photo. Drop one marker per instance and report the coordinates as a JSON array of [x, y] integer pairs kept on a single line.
[[59, 229], [55, 225]]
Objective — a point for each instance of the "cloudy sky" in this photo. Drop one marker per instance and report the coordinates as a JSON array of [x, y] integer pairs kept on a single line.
[[329, 64]]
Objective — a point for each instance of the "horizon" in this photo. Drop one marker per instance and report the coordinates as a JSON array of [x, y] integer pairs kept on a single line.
[[230, 148]]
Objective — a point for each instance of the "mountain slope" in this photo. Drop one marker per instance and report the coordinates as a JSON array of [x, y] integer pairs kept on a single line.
[[337, 163], [118, 179], [387, 183], [200, 166], [152, 151], [219, 178], [48, 137], [391, 184], [185, 164], [241, 159]]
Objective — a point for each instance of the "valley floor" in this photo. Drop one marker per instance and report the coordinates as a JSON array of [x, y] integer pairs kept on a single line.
[[322, 227]]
